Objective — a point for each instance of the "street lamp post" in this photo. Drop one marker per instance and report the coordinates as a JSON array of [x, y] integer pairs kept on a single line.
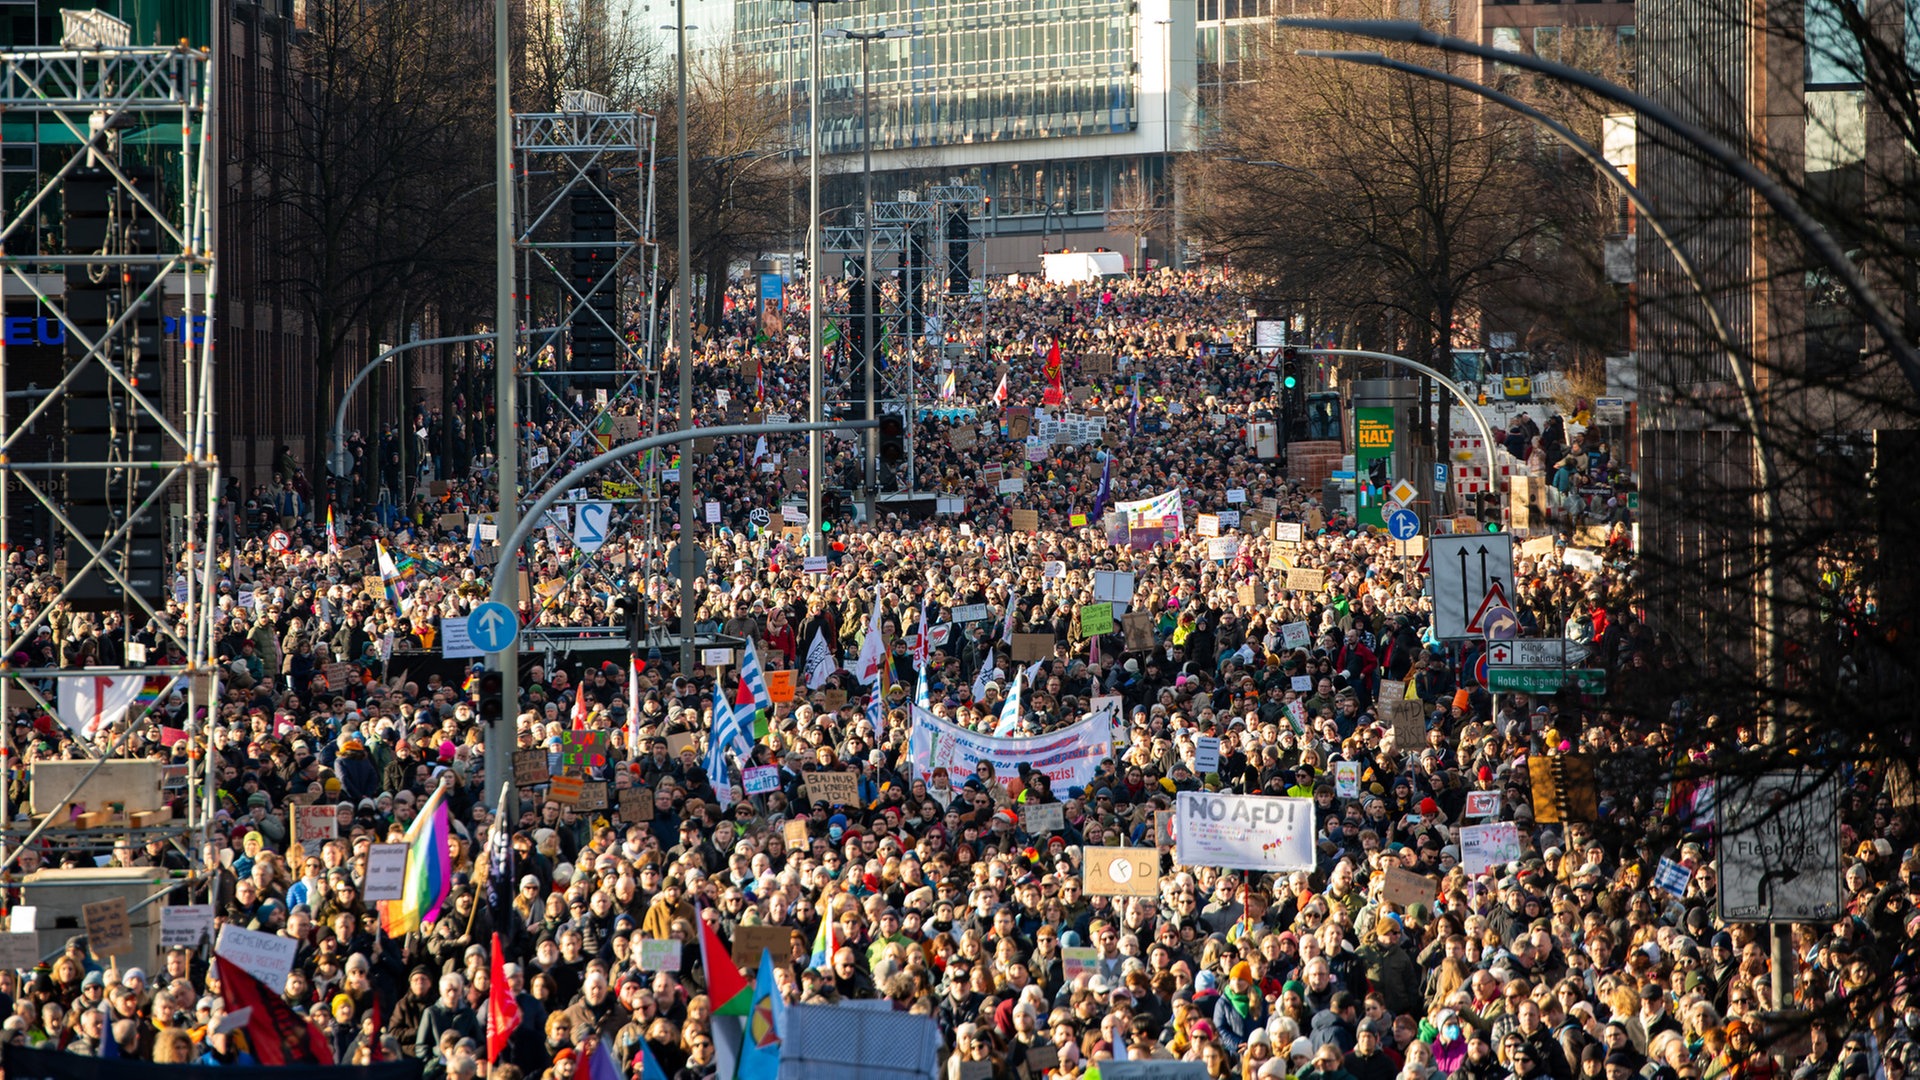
[[683, 343], [866, 38], [816, 366], [1166, 134], [499, 737]]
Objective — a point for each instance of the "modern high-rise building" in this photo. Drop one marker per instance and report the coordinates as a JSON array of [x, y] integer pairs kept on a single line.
[[1064, 111]]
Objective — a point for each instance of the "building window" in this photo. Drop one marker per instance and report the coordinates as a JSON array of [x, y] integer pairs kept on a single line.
[[1833, 44], [1546, 42]]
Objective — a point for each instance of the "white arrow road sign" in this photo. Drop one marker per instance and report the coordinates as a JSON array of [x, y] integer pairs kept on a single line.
[[1472, 573]]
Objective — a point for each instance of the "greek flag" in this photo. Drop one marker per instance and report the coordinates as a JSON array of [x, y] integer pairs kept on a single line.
[[755, 677], [1010, 711], [725, 728]]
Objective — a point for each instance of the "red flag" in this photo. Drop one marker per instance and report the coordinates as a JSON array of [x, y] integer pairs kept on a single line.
[[580, 707], [274, 1034], [379, 1025], [1053, 363], [1000, 393], [503, 1012]]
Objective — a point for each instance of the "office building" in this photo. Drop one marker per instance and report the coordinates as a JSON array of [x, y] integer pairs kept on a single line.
[[1062, 110], [1803, 108]]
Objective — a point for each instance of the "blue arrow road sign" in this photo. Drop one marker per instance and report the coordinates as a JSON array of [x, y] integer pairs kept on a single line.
[[1403, 524], [493, 627]]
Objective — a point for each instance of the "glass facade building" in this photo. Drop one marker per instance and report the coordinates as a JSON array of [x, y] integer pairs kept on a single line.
[[974, 70]]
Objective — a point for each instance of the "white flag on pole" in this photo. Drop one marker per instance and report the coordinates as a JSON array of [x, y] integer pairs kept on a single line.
[[92, 704], [819, 660], [986, 675]]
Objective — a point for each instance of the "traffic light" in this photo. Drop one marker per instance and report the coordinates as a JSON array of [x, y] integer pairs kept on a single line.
[[493, 699], [1290, 368], [834, 504], [959, 258], [893, 439]]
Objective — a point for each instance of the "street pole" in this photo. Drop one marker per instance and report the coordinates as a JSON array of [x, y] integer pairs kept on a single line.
[[499, 763], [866, 270], [683, 343], [816, 367], [866, 38]]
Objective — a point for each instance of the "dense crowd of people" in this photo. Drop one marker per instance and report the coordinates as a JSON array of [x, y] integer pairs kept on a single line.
[[1397, 955]]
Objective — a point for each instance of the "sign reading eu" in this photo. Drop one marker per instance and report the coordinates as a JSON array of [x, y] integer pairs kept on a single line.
[[45, 330]]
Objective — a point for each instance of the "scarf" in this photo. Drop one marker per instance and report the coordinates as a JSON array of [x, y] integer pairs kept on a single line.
[[1241, 1002]]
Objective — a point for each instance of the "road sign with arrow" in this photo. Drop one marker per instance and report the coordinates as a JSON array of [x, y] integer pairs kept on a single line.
[[1472, 575], [493, 626]]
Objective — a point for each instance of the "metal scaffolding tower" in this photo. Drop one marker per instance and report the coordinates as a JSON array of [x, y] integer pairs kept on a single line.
[[114, 468], [938, 245], [584, 205]]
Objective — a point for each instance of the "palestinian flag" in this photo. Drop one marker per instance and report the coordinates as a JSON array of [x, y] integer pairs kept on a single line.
[[728, 990]]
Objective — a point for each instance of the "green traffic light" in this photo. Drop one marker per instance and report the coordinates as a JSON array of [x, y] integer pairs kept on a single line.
[[1493, 526], [1292, 382], [826, 526]]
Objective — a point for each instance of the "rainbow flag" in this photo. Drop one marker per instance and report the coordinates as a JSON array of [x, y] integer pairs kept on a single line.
[[333, 538], [823, 944], [429, 877]]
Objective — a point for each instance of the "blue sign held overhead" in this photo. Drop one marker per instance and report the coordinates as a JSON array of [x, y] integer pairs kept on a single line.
[[1403, 524], [493, 627]]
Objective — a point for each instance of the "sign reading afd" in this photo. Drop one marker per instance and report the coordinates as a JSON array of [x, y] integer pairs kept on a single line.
[[31, 330]]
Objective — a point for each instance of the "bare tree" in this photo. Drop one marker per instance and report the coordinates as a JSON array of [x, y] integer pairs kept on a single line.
[[1137, 211], [598, 45], [376, 176], [741, 170]]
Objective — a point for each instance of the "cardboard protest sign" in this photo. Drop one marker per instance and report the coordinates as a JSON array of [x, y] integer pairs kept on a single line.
[[1119, 871], [780, 686], [1030, 647], [108, 931], [636, 805], [1404, 888], [750, 941], [530, 767], [835, 788], [1303, 580]]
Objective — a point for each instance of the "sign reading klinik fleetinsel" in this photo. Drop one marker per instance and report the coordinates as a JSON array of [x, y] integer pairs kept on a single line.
[[1243, 832]]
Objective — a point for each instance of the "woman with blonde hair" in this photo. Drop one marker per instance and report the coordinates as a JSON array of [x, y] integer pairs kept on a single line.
[[1257, 1052]]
